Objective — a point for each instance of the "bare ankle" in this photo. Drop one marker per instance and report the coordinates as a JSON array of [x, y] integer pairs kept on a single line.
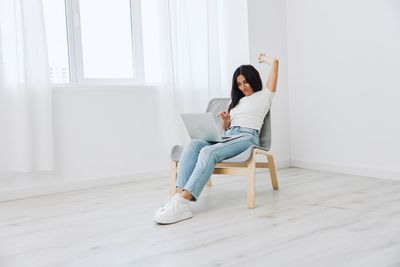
[[187, 195]]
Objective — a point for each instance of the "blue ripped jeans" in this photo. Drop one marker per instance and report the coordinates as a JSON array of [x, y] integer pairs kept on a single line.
[[199, 158]]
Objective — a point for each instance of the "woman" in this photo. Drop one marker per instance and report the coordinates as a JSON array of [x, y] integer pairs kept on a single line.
[[245, 115]]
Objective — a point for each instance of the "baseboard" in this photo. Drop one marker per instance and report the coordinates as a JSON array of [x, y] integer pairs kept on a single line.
[[51, 185], [347, 169], [283, 164], [41, 187]]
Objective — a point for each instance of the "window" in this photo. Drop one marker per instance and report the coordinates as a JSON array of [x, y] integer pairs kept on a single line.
[[57, 44], [102, 41], [106, 39], [151, 51]]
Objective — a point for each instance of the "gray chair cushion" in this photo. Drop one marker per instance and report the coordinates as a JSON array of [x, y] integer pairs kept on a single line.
[[176, 152], [216, 106]]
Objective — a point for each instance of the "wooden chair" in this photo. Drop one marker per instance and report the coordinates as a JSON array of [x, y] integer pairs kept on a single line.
[[242, 164]]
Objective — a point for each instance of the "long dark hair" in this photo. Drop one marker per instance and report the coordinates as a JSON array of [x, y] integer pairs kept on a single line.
[[252, 76]]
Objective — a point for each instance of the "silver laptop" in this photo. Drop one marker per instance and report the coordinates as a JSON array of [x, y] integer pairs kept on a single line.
[[203, 126]]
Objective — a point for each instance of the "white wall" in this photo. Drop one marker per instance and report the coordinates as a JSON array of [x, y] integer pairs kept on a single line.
[[106, 132], [267, 33], [102, 135], [233, 39], [344, 63]]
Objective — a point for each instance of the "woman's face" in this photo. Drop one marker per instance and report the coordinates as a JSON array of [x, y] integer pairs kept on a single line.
[[243, 85]]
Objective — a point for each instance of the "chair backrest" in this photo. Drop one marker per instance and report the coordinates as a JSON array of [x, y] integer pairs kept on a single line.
[[217, 105]]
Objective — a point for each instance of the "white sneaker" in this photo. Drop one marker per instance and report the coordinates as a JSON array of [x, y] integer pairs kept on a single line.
[[166, 205], [176, 210]]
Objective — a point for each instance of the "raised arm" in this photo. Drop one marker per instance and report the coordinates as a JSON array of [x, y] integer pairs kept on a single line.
[[273, 75]]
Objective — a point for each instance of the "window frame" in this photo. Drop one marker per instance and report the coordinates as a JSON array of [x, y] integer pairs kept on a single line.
[[75, 53]]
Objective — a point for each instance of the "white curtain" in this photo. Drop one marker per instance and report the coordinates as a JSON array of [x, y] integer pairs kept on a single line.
[[202, 42], [26, 141]]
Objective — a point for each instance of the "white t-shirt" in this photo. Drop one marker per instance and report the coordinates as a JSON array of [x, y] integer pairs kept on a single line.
[[251, 110]]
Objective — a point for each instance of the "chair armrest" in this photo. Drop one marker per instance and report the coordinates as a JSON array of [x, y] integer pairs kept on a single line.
[[261, 150], [246, 155]]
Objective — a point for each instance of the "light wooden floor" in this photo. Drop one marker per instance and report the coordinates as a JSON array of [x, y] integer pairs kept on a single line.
[[315, 219]]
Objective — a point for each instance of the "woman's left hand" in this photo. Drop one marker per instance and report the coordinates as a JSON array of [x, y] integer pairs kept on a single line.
[[261, 58]]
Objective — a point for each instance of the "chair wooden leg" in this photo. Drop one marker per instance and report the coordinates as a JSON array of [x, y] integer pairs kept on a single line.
[[209, 183], [251, 183], [272, 172], [172, 177]]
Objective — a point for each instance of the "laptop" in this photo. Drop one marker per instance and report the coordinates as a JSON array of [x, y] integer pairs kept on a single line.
[[203, 126]]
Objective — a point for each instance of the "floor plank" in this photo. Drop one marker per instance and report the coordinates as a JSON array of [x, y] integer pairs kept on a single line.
[[315, 219]]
